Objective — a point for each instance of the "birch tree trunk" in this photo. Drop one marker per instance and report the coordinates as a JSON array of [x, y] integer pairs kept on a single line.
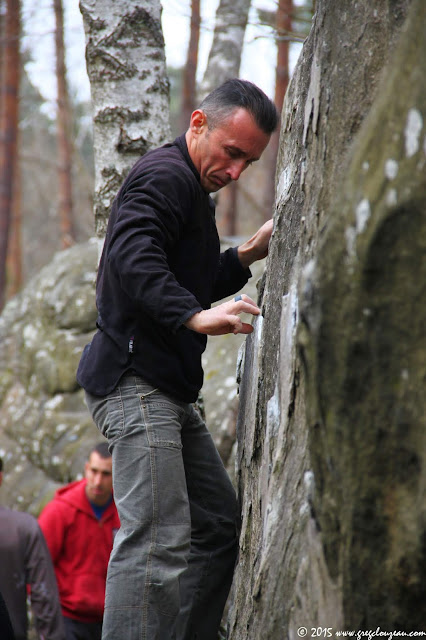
[[223, 63], [126, 66], [331, 429], [228, 38]]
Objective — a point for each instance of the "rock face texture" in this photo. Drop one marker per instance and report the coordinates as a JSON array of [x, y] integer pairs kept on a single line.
[[331, 429], [45, 428]]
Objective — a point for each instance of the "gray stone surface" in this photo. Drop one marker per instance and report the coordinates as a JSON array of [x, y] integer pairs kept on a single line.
[[331, 429]]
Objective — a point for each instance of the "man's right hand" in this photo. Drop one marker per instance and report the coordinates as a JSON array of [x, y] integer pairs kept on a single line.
[[224, 318]]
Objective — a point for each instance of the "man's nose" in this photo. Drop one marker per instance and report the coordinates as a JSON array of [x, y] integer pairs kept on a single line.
[[235, 169]]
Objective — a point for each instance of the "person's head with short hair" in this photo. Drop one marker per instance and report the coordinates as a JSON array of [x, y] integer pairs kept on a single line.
[[98, 474], [229, 131], [240, 94]]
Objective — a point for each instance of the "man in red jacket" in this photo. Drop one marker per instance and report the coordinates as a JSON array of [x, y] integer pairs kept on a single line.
[[79, 526]]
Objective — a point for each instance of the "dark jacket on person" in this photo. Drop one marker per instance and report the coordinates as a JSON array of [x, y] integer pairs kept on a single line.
[[161, 263], [80, 546], [25, 562]]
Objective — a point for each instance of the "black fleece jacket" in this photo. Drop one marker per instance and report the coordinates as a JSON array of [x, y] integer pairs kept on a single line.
[[161, 264]]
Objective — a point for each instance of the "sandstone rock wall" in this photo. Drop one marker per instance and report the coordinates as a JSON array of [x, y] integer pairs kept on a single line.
[[331, 429]]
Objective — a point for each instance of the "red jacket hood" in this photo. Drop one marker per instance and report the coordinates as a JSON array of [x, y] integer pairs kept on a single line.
[[74, 494]]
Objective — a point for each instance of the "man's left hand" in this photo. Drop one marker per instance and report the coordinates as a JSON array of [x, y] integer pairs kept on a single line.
[[257, 246]]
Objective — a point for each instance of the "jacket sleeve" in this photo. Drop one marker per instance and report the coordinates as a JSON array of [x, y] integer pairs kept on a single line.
[[53, 526], [151, 214], [231, 275], [42, 581]]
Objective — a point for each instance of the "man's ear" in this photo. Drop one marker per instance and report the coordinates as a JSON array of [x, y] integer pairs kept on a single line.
[[198, 121]]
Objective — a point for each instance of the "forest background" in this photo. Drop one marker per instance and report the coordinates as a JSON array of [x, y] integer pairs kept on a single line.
[[50, 205]]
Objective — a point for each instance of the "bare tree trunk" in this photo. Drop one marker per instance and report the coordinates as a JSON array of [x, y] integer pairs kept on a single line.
[[126, 66], [283, 27], [190, 70], [64, 134], [227, 205], [8, 128], [14, 253], [224, 63]]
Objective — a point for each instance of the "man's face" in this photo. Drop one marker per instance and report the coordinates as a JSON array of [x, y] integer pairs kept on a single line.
[[222, 154], [98, 473]]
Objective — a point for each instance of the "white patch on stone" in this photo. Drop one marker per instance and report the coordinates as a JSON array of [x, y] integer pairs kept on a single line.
[[391, 198], [412, 132], [312, 99], [309, 270], [362, 213], [284, 184], [304, 510], [271, 520], [259, 327], [30, 335], [232, 394], [53, 402], [391, 169], [309, 483], [365, 166], [350, 235], [273, 413], [404, 374]]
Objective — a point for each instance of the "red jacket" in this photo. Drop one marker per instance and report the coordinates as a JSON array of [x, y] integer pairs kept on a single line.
[[80, 546]]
